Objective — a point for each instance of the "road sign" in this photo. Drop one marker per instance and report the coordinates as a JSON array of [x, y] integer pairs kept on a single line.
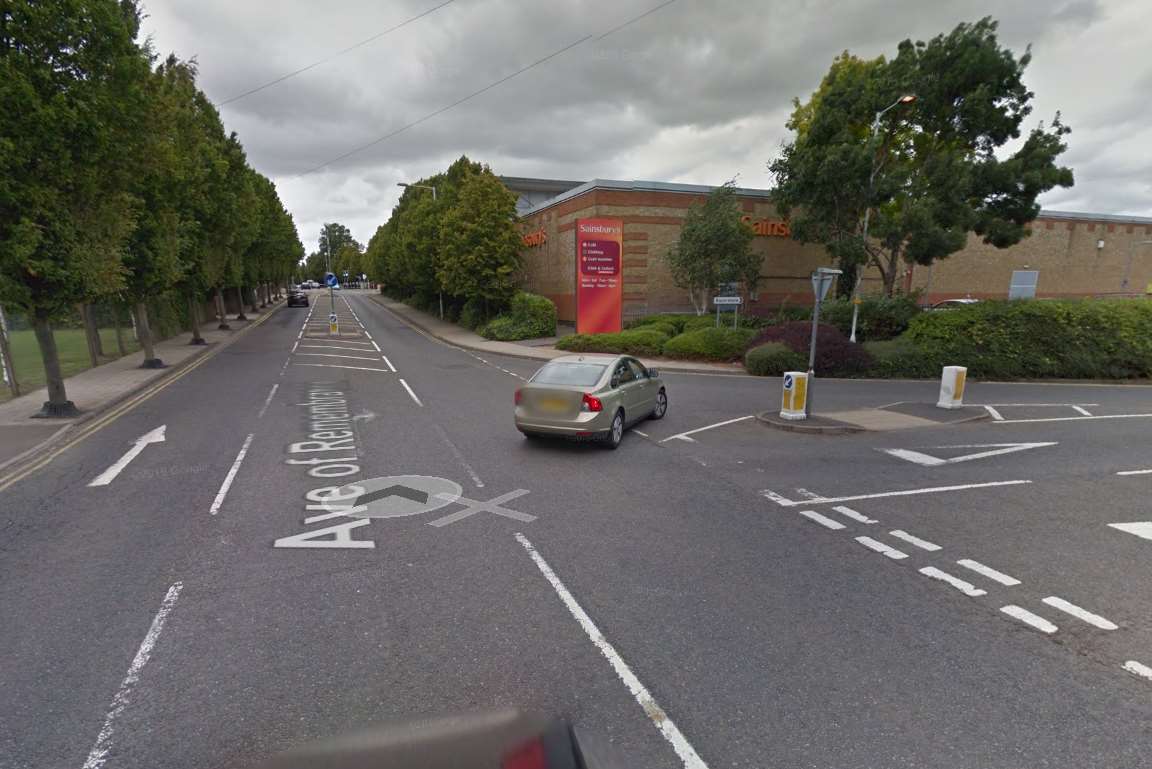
[[718, 300], [822, 281], [331, 317], [330, 279]]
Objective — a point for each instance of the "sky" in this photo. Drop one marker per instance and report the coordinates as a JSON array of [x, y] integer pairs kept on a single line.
[[695, 91]]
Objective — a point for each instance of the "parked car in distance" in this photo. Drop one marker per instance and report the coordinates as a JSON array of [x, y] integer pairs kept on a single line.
[[297, 298], [590, 396]]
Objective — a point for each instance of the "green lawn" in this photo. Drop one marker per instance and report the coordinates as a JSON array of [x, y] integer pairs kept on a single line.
[[73, 348]]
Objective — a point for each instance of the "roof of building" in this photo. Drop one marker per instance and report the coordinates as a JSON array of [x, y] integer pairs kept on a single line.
[[573, 189]]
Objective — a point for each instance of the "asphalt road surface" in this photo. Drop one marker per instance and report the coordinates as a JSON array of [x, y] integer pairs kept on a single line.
[[725, 597]]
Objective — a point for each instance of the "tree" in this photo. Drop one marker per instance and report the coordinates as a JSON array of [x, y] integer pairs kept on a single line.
[[333, 237], [72, 82], [480, 243], [714, 248], [935, 170]]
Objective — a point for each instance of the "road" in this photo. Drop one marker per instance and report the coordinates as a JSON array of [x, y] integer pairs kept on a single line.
[[733, 597]]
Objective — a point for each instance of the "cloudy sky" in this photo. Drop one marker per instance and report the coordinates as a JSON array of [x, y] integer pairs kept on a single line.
[[696, 91]]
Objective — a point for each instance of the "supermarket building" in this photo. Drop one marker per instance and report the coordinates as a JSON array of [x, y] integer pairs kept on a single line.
[[1068, 255]]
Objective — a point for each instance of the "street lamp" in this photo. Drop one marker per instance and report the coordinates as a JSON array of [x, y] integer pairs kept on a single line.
[[427, 187], [905, 99]]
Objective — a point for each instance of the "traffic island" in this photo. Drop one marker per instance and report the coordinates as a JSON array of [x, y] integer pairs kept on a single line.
[[896, 416], [816, 425]]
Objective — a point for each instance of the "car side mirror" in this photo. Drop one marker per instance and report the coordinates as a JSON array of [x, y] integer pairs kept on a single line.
[[653, 373]]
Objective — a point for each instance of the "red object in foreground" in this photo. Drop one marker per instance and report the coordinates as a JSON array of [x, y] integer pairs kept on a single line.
[[599, 275], [528, 756], [592, 402], [519, 396]]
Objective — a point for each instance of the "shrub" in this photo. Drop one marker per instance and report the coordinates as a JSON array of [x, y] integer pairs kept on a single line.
[[665, 328], [880, 317], [698, 322], [835, 355], [529, 316], [674, 319], [901, 357], [1011, 339], [773, 359], [639, 341], [473, 314], [709, 344]]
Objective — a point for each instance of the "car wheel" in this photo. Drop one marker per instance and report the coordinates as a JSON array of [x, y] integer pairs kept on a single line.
[[616, 432], [661, 405]]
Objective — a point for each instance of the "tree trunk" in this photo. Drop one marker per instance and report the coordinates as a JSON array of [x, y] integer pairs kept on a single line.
[[144, 333], [91, 335], [194, 319], [262, 289], [240, 303], [119, 330], [57, 404], [252, 299], [220, 310], [6, 357]]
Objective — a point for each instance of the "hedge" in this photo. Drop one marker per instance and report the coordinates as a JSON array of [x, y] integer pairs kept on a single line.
[[901, 357], [1032, 339], [879, 318], [718, 344], [773, 359], [674, 319], [639, 341], [529, 316], [835, 355]]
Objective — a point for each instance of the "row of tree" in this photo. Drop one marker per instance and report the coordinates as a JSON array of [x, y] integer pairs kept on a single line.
[[460, 243], [117, 179], [346, 254]]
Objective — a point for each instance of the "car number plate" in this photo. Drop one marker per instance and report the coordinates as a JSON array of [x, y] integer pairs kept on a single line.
[[553, 405]]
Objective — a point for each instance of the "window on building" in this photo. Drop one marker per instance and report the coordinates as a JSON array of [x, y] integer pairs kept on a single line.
[[1023, 285]]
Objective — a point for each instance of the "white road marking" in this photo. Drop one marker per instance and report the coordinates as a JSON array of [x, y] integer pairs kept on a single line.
[[657, 714], [928, 460], [1139, 528], [1037, 405], [923, 544], [376, 346], [848, 512], [642, 435], [1081, 614], [988, 571], [295, 345], [109, 475], [966, 588], [103, 745], [1135, 472], [268, 400], [824, 521], [409, 389], [1028, 618], [1074, 419], [881, 548], [684, 436], [216, 503], [1082, 410], [389, 364], [334, 355], [785, 502], [335, 347], [1137, 669], [460, 458], [992, 412], [333, 365]]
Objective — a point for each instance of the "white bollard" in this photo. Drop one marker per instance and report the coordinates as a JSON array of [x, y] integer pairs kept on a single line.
[[952, 387], [795, 400]]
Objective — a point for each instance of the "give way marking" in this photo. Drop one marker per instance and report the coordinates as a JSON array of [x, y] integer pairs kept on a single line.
[[1139, 528], [995, 449], [109, 475]]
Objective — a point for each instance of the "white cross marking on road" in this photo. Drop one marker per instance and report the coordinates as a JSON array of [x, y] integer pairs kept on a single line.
[[494, 506]]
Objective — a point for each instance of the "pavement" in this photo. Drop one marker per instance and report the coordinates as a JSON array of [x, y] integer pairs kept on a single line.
[[715, 593], [535, 349], [97, 389]]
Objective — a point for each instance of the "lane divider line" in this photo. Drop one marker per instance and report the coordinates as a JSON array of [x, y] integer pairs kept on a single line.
[[848, 512], [1135, 472], [785, 502], [103, 745], [1081, 614], [268, 400], [1028, 618], [390, 366], [219, 501], [1137, 669], [966, 588], [1082, 410], [923, 544], [659, 717], [410, 392], [824, 521], [989, 572], [1074, 419], [880, 547]]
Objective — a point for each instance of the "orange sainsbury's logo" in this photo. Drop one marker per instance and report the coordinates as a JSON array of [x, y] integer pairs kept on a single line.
[[768, 227], [533, 239]]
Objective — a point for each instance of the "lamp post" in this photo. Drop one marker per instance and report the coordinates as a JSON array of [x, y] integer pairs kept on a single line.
[[905, 99], [427, 187]]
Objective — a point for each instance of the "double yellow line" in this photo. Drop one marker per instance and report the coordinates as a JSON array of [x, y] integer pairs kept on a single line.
[[122, 408]]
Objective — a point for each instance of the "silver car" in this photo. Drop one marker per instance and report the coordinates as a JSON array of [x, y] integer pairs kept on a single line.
[[590, 396]]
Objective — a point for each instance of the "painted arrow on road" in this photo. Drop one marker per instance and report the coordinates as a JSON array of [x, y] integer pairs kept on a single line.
[[109, 475], [1139, 528], [996, 449]]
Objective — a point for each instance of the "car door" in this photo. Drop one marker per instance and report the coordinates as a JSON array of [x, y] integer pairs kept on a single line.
[[644, 386]]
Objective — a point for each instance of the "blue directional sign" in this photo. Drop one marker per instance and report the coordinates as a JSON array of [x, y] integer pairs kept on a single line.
[[330, 280]]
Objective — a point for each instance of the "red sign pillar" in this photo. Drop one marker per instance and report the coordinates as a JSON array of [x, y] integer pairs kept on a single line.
[[599, 275]]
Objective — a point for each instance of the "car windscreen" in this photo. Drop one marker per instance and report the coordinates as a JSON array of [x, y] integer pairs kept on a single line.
[[579, 374]]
